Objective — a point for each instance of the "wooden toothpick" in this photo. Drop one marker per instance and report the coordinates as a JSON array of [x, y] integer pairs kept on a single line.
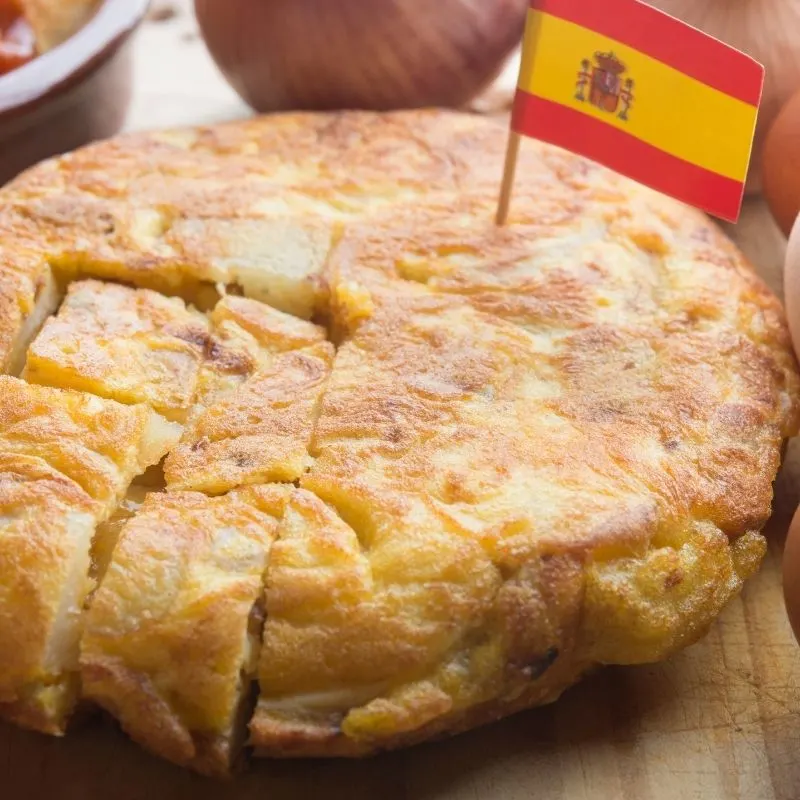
[[509, 174]]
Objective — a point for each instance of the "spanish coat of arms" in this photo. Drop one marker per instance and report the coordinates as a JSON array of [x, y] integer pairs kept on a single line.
[[607, 88]]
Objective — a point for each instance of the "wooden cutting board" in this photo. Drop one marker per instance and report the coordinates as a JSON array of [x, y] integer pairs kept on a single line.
[[720, 721]]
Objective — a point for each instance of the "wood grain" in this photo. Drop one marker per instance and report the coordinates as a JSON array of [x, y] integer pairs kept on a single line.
[[720, 721]]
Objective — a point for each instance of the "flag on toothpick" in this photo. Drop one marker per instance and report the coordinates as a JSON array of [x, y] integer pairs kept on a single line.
[[642, 93]]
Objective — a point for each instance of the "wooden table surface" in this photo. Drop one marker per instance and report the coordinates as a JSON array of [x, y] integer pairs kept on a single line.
[[721, 721]]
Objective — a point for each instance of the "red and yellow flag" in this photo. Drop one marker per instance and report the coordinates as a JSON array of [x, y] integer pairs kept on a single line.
[[639, 91]]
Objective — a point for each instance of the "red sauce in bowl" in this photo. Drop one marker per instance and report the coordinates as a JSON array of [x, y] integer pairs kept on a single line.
[[17, 42]]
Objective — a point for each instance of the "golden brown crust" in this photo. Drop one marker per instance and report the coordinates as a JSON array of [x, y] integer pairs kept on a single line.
[[65, 461], [540, 447], [258, 434], [133, 346], [503, 504], [28, 294], [99, 444], [138, 346], [273, 330], [171, 639], [44, 541]]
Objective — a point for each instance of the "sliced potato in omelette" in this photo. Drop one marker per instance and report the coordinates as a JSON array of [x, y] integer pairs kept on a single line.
[[28, 295], [66, 460], [258, 434], [172, 636], [278, 261]]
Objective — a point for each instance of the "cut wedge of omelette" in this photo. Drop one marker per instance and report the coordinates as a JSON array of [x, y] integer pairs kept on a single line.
[[260, 433], [309, 457], [66, 460], [171, 640]]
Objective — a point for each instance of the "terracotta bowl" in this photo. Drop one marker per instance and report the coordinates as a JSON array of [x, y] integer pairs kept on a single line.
[[77, 92]]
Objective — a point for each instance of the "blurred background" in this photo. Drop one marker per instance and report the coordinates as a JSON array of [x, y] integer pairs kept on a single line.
[[176, 81]]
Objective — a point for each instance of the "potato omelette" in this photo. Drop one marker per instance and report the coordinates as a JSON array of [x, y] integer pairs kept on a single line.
[[301, 454]]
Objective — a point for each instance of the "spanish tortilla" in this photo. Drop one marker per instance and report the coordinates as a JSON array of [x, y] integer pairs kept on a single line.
[[522, 453]]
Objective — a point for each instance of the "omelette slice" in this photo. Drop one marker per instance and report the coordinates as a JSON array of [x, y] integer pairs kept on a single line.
[[28, 295], [253, 426], [494, 516], [260, 328], [172, 636], [519, 273], [129, 345], [321, 599], [258, 434], [137, 346], [66, 460], [246, 337], [275, 254]]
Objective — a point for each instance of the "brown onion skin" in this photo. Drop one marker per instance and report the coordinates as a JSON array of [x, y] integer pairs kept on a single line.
[[791, 285], [360, 54], [781, 165], [791, 575]]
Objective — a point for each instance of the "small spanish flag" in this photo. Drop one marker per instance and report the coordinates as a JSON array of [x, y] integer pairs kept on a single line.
[[639, 91]]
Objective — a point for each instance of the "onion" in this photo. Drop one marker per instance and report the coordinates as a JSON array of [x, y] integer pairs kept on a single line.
[[365, 54], [791, 575], [769, 31], [781, 165], [791, 290]]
